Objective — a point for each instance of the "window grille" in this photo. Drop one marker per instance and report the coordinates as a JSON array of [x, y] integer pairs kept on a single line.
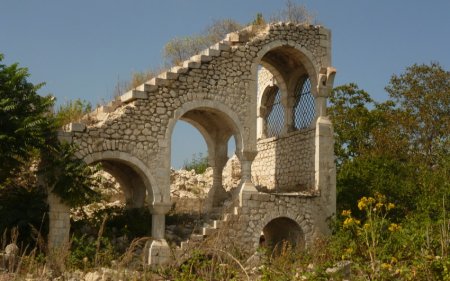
[[275, 113], [304, 110]]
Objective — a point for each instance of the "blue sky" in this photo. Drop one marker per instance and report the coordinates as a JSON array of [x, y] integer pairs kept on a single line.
[[81, 48]]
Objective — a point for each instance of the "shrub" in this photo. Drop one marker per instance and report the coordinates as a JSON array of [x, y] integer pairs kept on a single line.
[[198, 163]]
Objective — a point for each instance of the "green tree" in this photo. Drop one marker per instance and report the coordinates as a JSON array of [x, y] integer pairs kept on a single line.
[[398, 147], [422, 99], [352, 120], [33, 161], [24, 118]]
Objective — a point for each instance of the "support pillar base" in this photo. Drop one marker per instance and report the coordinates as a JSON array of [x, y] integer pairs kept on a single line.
[[246, 190], [159, 253]]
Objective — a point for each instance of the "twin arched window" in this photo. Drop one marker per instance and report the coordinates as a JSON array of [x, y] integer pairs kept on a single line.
[[303, 110]]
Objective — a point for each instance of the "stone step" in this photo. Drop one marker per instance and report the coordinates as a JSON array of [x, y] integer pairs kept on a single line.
[[228, 217], [104, 109], [218, 224], [158, 81], [184, 245], [221, 47], [191, 64], [147, 88], [179, 69], [168, 75], [133, 95], [196, 237], [201, 58], [114, 104], [75, 127], [207, 231], [210, 52]]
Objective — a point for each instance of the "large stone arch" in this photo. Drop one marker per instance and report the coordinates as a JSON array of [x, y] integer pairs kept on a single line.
[[288, 61], [304, 56], [154, 193], [207, 104], [217, 123]]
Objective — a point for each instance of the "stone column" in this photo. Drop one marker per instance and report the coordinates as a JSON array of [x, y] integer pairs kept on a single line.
[[59, 223], [289, 113], [261, 124], [325, 171], [217, 193], [159, 252], [247, 187]]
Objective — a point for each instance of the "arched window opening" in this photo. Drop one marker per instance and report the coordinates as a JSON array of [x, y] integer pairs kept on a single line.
[[304, 111], [275, 113]]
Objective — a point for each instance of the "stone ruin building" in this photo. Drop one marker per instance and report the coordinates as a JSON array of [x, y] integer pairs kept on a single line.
[[266, 87]]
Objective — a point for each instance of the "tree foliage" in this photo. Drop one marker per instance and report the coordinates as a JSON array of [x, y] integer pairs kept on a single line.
[[396, 147], [422, 99], [28, 140], [24, 118]]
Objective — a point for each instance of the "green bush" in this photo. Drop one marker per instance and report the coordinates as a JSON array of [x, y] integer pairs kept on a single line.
[[198, 163]]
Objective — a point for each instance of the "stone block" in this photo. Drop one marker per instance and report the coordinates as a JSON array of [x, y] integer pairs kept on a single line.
[[133, 95], [76, 127]]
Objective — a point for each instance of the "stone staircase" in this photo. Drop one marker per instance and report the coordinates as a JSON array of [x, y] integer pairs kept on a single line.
[[145, 90], [218, 221]]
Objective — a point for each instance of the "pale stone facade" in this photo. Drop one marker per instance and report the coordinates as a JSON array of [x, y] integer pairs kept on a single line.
[[221, 93]]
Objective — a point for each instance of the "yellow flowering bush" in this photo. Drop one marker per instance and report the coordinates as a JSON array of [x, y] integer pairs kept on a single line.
[[371, 234]]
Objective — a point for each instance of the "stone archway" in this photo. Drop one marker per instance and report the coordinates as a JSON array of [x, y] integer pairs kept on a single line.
[[280, 232], [217, 124], [134, 177]]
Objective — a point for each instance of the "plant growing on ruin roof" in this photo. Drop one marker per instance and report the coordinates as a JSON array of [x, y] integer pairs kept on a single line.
[[179, 49], [72, 111], [295, 13]]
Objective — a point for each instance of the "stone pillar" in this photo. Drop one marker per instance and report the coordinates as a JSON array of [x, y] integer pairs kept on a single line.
[[247, 187], [325, 171], [59, 223], [289, 113], [261, 124], [217, 193], [159, 252]]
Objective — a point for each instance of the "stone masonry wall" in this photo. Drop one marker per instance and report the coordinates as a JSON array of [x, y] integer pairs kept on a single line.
[[221, 84], [139, 127], [246, 225], [286, 163]]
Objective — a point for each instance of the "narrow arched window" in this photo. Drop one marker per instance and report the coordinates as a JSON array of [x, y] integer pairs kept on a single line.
[[275, 113], [303, 113]]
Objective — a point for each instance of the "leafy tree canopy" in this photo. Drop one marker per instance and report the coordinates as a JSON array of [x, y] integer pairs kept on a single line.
[[399, 147], [24, 118], [28, 140]]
